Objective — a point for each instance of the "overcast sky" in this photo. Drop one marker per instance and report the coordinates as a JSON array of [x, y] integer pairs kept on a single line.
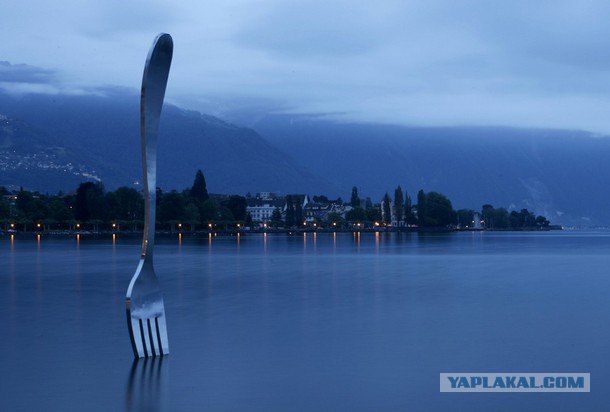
[[513, 63]]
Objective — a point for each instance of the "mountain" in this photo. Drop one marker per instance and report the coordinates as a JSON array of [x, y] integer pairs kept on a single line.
[[29, 159], [53, 142], [99, 135], [562, 174]]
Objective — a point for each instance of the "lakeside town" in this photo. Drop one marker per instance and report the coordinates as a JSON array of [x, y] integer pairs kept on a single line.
[[92, 209]]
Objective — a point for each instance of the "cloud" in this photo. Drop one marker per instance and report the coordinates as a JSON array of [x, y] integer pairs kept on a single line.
[[434, 62], [23, 73], [314, 28]]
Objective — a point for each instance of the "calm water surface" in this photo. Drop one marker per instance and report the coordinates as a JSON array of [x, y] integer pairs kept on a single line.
[[308, 322]]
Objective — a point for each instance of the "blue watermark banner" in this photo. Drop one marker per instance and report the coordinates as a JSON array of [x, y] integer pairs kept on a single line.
[[515, 382]]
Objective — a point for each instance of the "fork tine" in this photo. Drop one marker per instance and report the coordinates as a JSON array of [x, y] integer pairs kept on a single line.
[[152, 338], [162, 335], [145, 337], [136, 337]]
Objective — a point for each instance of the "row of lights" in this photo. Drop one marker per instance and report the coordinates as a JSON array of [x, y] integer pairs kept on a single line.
[[210, 225]]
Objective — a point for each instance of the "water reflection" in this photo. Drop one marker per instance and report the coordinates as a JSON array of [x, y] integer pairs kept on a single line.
[[300, 323], [377, 242], [147, 385]]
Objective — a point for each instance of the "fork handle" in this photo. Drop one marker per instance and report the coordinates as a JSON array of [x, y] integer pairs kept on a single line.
[[154, 82]]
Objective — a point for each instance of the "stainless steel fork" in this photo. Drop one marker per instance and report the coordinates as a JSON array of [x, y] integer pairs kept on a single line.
[[145, 309]]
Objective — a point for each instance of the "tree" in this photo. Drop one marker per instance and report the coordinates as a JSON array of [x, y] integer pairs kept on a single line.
[[290, 216], [90, 202], [59, 211], [276, 216], [465, 217], [31, 206], [529, 219], [208, 211], [237, 205], [334, 217], [130, 204], [298, 213], [496, 218], [355, 201], [542, 222], [408, 210], [372, 214], [357, 214], [199, 190], [226, 215], [438, 210], [421, 208], [514, 220], [5, 208], [171, 207], [398, 205], [191, 215], [386, 209]]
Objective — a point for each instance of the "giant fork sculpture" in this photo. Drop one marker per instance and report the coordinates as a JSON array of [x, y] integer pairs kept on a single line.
[[145, 310]]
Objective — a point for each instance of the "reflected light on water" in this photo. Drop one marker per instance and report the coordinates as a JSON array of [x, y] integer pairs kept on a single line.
[[179, 240], [357, 239], [147, 385], [298, 321]]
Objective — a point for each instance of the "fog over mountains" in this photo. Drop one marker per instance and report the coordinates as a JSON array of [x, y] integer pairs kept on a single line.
[[53, 142]]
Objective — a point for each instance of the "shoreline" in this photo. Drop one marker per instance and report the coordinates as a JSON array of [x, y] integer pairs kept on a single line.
[[296, 231]]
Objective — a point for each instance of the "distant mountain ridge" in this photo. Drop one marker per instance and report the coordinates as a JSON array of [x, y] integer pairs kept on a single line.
[[53, 142], [562, 174], [103, 132]]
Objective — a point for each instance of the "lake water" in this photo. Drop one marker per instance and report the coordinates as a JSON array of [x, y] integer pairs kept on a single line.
[[306, 322]]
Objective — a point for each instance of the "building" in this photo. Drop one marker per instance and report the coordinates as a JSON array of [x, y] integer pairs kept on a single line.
[[262, 206], [317, 212]]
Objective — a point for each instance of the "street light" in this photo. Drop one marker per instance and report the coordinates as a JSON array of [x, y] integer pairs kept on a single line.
[[179, 225]]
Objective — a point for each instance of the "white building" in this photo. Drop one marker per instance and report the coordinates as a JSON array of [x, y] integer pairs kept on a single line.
[[262, 206]]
